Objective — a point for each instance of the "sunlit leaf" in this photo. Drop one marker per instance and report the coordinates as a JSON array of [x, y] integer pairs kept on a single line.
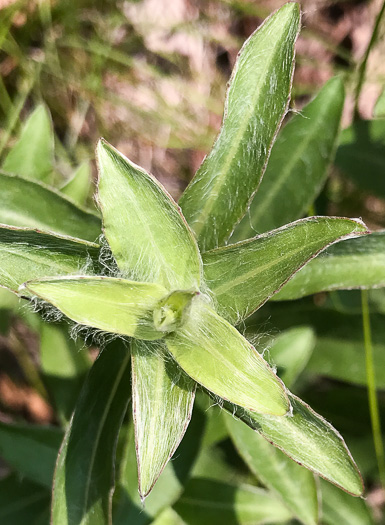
[[26, 203], [144, 227], [163, 397], [31, 450], [107, 303], [310, 440], [216, 355], [84, 476], [208, 502], [379, 108], [33, 154], [29, 254], [298, 164], [243, 276], [293, 483], [78, 187], [356, 263], [256, 102]]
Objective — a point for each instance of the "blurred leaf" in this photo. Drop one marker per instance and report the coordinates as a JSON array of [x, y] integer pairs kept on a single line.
[[64, 365], [163, 397], [215, 354], [33, 154], [339, 507], [29, 254], [23, 502], [293, 483], [84, 476], [31, 450], [256, 103], [208, 502], [118, 306], [143, 225], [356, 263], [361, 155], [243, 276], [78, 187], [290, 351], [129, 507], [308, 439], [169, 517], [30, 204], [379, 108], [298, 164]]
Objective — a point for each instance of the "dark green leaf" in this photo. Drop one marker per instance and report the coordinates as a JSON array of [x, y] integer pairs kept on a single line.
[[256, 102], [298, 164], [84, 476], [23, 502]]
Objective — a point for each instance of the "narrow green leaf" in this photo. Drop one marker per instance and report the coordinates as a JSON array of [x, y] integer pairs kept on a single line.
[[293, 483], [163, 397], [31, 450], [310, 440], [84, 476], [33, 154], [145, 229], [78, 187], [298, 164], [356, 263], [339, 507], [290, 351], [27, 254], [30, 204], [256, 103], [107, 303], [208, 502], [23, 502], [64, 364], [361, 154], [243, 276], [215, 354]]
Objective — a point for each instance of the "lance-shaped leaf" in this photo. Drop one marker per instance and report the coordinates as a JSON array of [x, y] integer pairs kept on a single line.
[[163, 397], [23, 502], [215, 354], [243, 276], [293, 483], [107, 303], [33, 154], [256, 102], [31, 450], [84, 476], [78, 187], [145, 229], [308, 439], [298, 164], [208, 502], [356, 263], [29, 254], [30, 204]]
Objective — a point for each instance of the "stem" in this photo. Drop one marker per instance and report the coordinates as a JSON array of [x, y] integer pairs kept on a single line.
[[362, 68], [371, 382]]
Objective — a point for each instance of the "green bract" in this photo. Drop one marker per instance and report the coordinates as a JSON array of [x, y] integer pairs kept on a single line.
[[165, 283]]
